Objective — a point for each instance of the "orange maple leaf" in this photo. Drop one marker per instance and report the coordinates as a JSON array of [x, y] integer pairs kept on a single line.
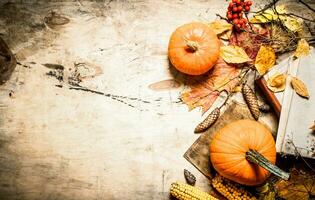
[[205, 89]]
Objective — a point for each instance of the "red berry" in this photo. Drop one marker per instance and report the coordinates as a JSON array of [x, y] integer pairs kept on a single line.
[[235, 16], [235, 21], [247, 8], [234, 1], [234, 9], [240, 14], [238, 2], [231, 5], [239, 8], [244, 20], [248, 3], [229, 16]]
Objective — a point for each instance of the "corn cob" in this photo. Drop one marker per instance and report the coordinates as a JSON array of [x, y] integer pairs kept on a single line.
[[209, 121], [182, 191], [230, 190]]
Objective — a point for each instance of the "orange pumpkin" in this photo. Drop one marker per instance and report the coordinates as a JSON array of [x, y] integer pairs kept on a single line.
[[193, 48], [244, 151]]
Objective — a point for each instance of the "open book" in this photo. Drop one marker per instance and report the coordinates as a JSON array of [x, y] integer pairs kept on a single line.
[[297, 114]]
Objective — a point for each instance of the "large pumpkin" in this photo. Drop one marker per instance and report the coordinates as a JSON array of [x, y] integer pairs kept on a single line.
[[193, 48], [244, 151]]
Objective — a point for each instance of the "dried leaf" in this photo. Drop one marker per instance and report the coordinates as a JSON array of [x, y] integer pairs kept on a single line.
[[190, 178], [205, 89], [269, 15], [291, 23], [265, 193], [234, 54], [265, 59], [300, 186], [207, 123], [237, 89], [276, 82], [303, 49], [226, 35], [313, 127], [164, 85], [299, 87], [251, 41], [255, 20], [283, 41], [220, 26]]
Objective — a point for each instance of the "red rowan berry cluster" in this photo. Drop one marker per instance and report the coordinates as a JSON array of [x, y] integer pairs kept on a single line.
[[235, 12]]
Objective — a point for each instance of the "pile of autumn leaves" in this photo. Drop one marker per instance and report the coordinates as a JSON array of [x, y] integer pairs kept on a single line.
[[251, 47]]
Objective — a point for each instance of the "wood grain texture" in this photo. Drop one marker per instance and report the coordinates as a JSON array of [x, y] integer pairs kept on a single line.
[[124, 141], [113, 137]]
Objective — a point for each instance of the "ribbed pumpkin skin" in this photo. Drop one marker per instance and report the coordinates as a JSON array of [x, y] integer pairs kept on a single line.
[[200, 61], [230, 144]]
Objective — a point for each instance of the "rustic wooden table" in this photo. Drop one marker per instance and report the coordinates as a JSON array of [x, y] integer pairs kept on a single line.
[[125, 141]]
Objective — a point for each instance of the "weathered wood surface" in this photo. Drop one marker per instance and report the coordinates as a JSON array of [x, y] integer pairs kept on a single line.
[[127, 142]]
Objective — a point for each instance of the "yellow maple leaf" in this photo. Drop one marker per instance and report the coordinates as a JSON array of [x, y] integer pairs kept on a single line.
[[265, 59], [234, 54], [276, 82], [220, 26], [303, 49]]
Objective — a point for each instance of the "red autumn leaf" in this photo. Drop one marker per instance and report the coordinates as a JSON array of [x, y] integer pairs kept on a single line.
[[251, 40], [205, 89]]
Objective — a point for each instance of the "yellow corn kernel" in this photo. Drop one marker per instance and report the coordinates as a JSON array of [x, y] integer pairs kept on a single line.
[[230, 190], [183, 191]]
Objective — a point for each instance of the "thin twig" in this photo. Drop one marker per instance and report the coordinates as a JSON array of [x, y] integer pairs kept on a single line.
[[308, 6], [268, 6], [295, 15], [298, 153], [250, 25], [224, 18]]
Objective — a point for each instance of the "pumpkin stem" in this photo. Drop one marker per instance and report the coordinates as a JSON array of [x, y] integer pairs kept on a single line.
[[192, 46], [254, 156]]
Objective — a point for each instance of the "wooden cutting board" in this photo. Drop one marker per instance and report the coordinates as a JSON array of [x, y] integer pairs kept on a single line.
[[198, 153]]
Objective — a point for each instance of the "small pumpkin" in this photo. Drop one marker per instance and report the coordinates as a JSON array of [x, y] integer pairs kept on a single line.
[[244, 151], [193, 48]]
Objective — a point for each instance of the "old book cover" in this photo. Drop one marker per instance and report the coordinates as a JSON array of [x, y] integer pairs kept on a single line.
[[298, 114]]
